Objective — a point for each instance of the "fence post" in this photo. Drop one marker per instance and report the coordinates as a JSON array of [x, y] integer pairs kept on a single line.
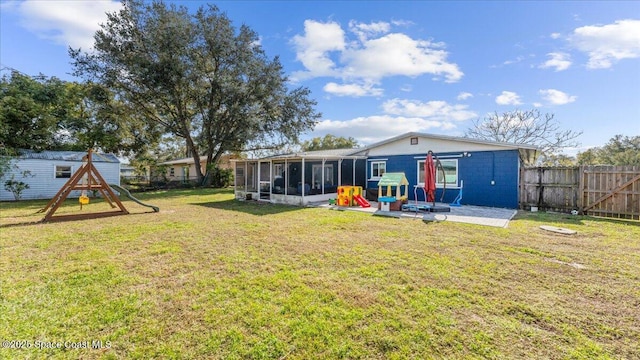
[[581, 190], [540, 187]]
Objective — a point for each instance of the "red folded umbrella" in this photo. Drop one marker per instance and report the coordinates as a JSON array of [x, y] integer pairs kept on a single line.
[[430, 178]]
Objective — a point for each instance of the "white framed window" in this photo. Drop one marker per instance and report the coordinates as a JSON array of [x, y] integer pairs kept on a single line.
[[450, 167], [378, 168], [63, 172], [317, 175], [172, 172], [278, 170]]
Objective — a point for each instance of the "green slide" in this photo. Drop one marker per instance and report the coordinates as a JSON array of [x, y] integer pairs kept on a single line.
[[126, 193]]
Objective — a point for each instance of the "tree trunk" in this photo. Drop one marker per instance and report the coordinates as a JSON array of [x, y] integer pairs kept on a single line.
[[196, 158]]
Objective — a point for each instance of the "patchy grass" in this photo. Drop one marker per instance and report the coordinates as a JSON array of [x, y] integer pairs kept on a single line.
[[210, 277]]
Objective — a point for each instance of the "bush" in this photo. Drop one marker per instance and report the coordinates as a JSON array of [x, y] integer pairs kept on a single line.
[[220, 178], [16, 187]]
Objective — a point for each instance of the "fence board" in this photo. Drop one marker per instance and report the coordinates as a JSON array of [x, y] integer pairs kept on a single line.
[[611, 191]]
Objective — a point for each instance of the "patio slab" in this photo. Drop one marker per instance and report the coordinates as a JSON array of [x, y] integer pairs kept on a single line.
[[470, 214]]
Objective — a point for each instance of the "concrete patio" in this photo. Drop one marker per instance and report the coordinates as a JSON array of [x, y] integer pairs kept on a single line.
[[470, 214]]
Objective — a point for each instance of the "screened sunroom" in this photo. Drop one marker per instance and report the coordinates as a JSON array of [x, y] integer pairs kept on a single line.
[[298, 178]]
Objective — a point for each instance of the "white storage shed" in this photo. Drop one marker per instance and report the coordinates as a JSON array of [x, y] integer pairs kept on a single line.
[[50, 170]]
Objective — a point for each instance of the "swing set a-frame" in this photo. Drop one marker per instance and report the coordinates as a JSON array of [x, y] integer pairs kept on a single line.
[[86, 178]]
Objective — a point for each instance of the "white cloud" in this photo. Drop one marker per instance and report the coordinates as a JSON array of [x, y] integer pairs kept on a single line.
[[555, 35], [354, 90], [314, 47], [559, 61], [364, 31], [69, 23], [367, 130], [400, 116], [537, 104], [434, 110], [398, 54], [325, 51], [557, 97], [514, 61], [508, 98], [608, 44], [464, 96]]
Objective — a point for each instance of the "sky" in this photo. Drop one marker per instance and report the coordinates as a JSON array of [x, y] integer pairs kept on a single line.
[[378, 69]]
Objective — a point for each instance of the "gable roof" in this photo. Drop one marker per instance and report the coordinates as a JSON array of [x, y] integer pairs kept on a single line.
[[66, 156], [448, 138]]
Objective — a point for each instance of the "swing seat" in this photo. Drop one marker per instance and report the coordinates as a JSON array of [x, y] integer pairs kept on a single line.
[[83, 200]]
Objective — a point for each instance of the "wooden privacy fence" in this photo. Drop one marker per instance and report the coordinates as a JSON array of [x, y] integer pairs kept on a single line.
[[597, 190]]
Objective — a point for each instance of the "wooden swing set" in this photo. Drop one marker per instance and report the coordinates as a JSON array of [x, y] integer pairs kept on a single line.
[[86, 178]]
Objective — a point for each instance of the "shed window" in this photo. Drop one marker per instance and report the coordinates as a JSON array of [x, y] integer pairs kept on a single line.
[[172, 172], [63, 172], [414, 141]]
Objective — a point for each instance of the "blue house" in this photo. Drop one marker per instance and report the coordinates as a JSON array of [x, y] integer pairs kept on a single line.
[[488, 172]]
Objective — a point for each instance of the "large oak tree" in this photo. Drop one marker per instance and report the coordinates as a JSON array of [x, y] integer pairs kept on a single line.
[[198, 77]]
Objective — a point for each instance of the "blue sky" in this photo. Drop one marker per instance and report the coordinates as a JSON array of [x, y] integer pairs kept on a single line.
[[381, 68]]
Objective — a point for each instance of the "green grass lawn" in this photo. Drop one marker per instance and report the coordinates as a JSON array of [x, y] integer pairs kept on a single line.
[[211, 277]]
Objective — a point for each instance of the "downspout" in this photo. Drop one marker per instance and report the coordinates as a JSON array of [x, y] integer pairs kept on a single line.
[[354, 173]]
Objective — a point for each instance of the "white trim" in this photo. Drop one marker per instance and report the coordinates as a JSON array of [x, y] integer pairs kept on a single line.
[[377, 159], [373, 178], [440, 157], [438, 185], [55, 171]]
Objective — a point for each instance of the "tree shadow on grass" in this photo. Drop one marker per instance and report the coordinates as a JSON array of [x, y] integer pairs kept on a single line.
[[568, 219], [250, 207]]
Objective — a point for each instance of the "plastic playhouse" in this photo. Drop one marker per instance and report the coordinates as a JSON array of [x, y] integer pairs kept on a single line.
[[391, 180], [351, 196], [389, 201]]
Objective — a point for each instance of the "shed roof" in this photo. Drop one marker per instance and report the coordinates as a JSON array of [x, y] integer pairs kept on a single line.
[[66, 156]]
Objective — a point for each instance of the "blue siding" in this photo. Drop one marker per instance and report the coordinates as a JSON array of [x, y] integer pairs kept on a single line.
[[476, 171]]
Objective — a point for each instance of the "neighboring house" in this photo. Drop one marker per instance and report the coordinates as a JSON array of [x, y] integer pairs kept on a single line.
[[127, 171], [185, 169], [50, 170], [489, 170]]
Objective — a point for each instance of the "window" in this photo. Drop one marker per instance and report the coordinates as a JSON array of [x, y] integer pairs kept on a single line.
[[414, 141], [450, 173], [317, 175], [278, 170], [378, 168], [172, 172], [63, 172]]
